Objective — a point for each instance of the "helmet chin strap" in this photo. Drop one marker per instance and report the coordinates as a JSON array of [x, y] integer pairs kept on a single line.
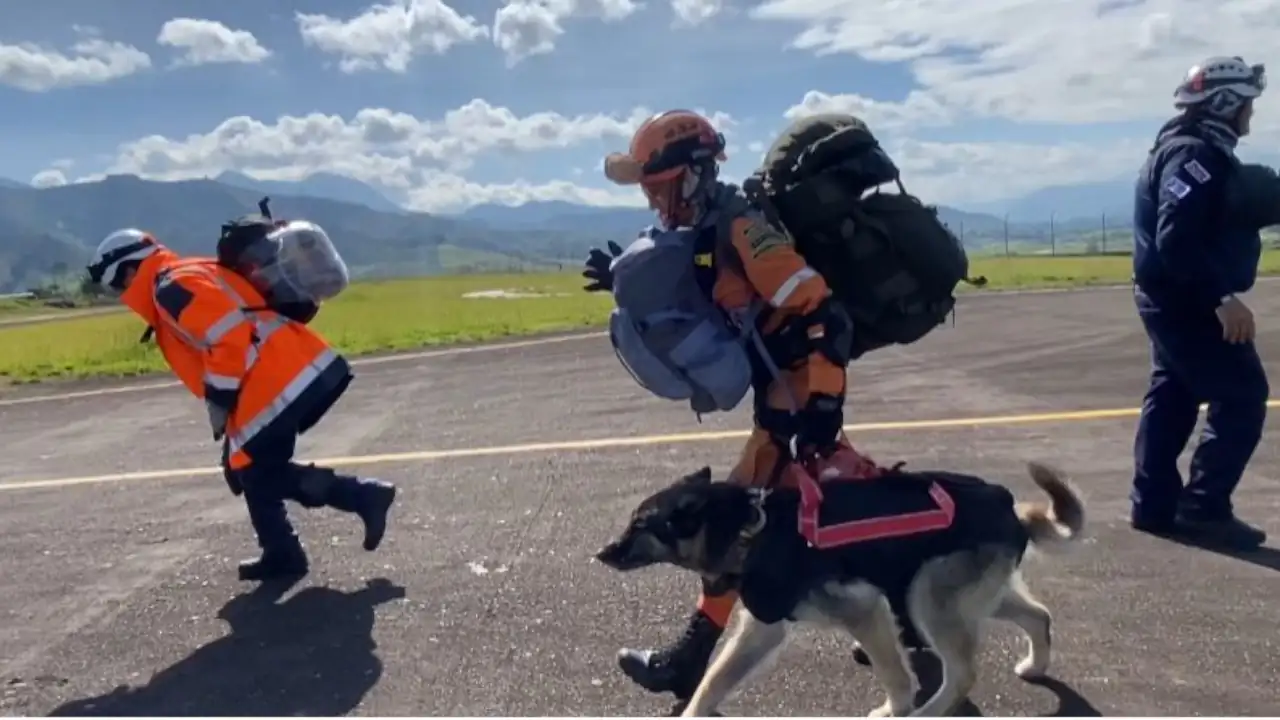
[[697, 188]]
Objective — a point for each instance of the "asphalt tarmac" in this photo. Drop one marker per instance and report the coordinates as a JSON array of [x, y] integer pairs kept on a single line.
[[516, 463]]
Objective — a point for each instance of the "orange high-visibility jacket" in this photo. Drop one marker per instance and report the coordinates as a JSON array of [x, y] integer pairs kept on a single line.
[[209, 326]]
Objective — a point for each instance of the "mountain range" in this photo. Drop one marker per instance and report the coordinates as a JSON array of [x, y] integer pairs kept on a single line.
[[50, 231]]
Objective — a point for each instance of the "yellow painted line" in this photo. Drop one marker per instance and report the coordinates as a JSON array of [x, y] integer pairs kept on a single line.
[[596, 444]]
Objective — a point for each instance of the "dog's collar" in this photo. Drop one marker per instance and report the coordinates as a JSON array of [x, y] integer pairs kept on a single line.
[[758, 496], [736, 555]]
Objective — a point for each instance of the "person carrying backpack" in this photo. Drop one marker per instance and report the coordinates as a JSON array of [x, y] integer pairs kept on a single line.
[[731, 269], [264, 380]]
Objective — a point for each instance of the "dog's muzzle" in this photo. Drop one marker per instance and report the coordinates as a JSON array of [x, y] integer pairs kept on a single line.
[[621, 556]]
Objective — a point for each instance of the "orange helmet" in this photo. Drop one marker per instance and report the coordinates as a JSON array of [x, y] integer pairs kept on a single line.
[[673, 158]]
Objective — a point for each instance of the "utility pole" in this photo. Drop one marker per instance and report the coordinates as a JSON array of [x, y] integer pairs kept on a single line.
[[1006, 234], [1053, 236], [1104, 233]]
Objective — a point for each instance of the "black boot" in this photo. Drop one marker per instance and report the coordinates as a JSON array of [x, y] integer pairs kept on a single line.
[[367, 498], [676, 669], [376, 505], [282, 553], [275, 565]]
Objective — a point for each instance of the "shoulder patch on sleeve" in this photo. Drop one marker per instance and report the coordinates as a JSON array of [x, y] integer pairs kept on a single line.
[[763, 237], [1179, 189], [1197, 171], [172, 297]]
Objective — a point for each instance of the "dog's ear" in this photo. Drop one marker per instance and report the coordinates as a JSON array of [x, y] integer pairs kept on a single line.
[[690, 503], [686, 513], [698, 477]]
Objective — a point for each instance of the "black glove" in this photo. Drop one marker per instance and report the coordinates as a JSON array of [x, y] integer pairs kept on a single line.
[[819, 425], [597, 268], [218, 416], [231, 476], [219, 403]]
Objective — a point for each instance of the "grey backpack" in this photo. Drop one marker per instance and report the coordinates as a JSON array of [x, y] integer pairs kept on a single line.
[[669, 334]]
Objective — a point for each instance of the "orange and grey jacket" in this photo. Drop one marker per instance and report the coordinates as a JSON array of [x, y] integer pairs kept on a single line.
[[770, 269], [212, 328]]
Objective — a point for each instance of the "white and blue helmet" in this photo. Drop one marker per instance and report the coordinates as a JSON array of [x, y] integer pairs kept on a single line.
[[119, 250], [1220, 85]]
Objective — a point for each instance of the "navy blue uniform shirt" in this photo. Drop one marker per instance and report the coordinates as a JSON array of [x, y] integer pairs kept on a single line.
[[1187, 252]]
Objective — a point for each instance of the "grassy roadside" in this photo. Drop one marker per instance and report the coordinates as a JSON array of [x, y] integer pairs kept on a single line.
[[403, 314]]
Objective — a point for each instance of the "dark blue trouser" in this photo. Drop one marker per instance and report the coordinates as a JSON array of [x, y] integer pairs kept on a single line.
[[273, 477], [1192, 364]]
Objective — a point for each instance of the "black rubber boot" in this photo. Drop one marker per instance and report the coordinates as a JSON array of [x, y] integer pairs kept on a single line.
[[275, 565], [676, 669]]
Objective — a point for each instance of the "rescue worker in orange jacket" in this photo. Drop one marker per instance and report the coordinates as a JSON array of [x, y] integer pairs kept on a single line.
[[264, 380], [674, 159]]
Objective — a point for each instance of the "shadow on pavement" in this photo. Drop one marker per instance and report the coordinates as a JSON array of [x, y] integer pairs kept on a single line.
[[1264, 557], [929, 671], [310, 655]]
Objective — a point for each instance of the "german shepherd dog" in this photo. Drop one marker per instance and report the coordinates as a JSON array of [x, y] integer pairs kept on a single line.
[[938, 586]]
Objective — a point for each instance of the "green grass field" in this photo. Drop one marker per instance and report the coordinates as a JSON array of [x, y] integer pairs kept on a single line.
[[402, 314]]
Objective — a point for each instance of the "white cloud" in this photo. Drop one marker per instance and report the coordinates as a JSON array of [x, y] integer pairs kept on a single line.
[[52, 177], [92, 61], [959, 173], [1077, 62], [524, 28], [1074, 61], [208, 41], [446, 192], [918, 109], [972, 172], [695, 12], [420, 158], [390, 34]]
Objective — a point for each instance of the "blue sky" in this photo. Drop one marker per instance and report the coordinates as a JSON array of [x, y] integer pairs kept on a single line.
[[977, 103]]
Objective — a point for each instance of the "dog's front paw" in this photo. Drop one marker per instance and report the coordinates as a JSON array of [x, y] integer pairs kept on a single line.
[[1032, 668], [888, 710], [684, 708], [885, 710]]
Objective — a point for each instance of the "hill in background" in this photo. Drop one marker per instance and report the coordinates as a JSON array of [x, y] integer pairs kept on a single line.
[[51, 231]]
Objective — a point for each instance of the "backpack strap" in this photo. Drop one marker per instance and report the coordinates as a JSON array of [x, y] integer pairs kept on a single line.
[[705, 263], [758, 313]]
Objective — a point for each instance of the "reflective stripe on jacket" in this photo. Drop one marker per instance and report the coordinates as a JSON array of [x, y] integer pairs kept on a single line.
[[221, 342]]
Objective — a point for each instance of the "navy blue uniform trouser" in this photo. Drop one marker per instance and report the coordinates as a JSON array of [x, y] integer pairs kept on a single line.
[[1191, 364], [274, 477]]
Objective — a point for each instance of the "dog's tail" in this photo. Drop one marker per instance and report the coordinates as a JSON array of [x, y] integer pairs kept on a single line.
[[1057, 522]]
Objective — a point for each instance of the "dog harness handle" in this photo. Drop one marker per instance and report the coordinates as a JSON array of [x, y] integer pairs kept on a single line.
[[879, 528]]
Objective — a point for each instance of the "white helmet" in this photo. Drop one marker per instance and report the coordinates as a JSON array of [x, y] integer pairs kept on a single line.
[[120, 247], [1220, 85]]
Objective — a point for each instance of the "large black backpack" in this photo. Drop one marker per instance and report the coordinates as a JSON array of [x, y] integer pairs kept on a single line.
[[888, 258]]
